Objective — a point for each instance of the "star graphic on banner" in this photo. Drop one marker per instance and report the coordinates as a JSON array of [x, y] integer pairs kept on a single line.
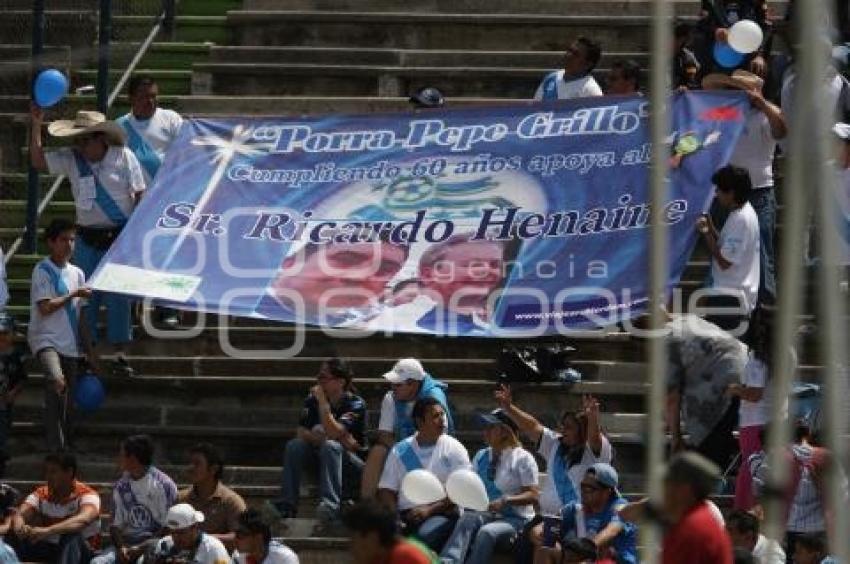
[[226, 149]]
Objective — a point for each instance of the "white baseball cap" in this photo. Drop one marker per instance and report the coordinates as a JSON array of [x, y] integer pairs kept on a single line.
[[405, 369], [842, 130], [182, 516]]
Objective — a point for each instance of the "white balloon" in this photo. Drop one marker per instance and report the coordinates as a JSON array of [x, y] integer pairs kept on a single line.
[[421, 487], [745, 36], [466, 489]]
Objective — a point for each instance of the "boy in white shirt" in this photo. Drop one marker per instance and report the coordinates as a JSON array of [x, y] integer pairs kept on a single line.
[[574, 80], [56, 294], [187, 543], [735, 250], [430, 449]]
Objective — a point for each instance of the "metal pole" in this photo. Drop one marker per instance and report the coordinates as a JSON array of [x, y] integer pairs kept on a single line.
[[832, 323], [30, 230], [104, 33], [659, 126], [168, 11], [802, 162]]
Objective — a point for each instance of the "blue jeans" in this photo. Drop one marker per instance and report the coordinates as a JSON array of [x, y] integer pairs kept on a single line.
[[118, 320], [763, 201], [435, 530], [332, 460], [479, 534], [71, 549]]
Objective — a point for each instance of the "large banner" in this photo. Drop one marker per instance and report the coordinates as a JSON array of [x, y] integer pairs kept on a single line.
[[492, 221]]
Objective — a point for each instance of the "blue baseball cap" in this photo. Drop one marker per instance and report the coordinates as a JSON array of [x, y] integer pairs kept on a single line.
[[605, 475], [498, 417]]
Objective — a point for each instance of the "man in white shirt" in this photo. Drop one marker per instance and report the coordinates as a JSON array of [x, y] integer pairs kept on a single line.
[[764, 127], [429, 449], [574, 80], [107, 182], [150, 129], [150, 132], [743, 529], [734, 251], [54, 334], [254, 544], [187, 543]]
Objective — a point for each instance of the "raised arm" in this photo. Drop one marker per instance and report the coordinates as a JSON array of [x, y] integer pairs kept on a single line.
[[527, 424], [36, 150], [594, 429]]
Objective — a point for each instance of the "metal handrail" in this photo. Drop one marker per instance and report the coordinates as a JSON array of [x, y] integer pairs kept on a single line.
[[166, 16]]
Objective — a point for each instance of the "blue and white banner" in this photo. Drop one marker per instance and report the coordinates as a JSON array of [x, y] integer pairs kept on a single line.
[[492, 221]]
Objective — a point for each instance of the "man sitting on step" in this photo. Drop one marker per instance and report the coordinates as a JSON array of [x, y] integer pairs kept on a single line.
[[330, 436], [186, 541], [141, 498], [220, 505], [254, 544], [408, 382], [59, 521], [433, 450]]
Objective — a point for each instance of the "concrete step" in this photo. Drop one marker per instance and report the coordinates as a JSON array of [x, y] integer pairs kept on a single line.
[[74, 27], [488, 31], [556, 7], [13, 186], [160, 55], [14, 212], [53, 55], [188, 28], [169, 81], [402, 57], [299, 79]]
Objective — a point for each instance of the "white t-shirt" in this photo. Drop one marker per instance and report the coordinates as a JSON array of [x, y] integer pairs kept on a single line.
[[441, 459], [755, 148], [143, 514], [119, 172], [754, 413], [210, 550], [550, 502], [159, 132], [768, 551], [739, 243], [4, 289], [54, 330], [517, 470], [387, 421], [278, 554], [583, 87]]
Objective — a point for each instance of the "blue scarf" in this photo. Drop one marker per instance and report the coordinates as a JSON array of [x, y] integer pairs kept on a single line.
[[146, 155], [61, 289], [484, 459], [430, 387], [102, 197]]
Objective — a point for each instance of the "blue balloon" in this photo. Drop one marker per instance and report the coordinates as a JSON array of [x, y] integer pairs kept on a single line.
[[727, 57], [50, 87], [89, 393]]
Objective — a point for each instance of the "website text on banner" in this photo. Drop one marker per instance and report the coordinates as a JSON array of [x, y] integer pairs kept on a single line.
[[490, 221]]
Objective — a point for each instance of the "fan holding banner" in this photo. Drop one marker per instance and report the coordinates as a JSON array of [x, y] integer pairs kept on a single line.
[[106, 182]]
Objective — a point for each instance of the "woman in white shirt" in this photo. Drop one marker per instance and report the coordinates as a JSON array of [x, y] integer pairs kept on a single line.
[[754, 410], [510, 476]]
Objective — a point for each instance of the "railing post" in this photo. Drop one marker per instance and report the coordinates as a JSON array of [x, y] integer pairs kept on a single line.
[[30, 230], [104, 33], [168, 11]]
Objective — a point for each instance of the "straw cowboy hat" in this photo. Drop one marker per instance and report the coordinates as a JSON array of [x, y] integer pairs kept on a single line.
[[88, 122], [739, 80]]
